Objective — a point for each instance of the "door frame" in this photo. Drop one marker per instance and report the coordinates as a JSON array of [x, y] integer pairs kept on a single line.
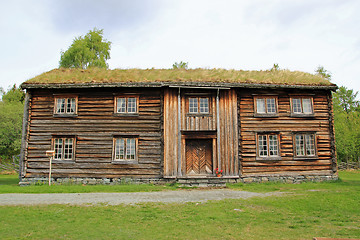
[[210, 135]]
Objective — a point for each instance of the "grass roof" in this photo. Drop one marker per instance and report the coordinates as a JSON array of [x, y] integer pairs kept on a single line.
[[214, 76]]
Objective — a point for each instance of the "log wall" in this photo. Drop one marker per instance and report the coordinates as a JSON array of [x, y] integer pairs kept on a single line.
[[94, 128], [286, 126]]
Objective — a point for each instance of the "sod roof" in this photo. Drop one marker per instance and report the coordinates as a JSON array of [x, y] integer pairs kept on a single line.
[[96, 77]]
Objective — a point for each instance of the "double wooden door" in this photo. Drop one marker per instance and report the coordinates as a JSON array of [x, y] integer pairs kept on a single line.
[[198, 156]]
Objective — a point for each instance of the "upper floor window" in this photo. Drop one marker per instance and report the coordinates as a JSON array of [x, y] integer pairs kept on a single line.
[[199, 105], [302, 105], [125, 149], [265, 105], [305, 145], [64, 148], [65, 105], [268, 145], [126, 105]]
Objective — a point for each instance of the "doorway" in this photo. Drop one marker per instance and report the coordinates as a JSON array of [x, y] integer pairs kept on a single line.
[[199, 157]]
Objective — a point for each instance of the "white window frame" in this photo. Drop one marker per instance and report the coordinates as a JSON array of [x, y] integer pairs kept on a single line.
[[298, 106], [305, 145], [196, 105], [130, 107], [64, 148], [65, 105], [129, 148], [266, 105], [265, 147]]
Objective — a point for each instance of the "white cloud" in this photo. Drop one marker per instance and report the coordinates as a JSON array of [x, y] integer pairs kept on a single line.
[[298, 35]]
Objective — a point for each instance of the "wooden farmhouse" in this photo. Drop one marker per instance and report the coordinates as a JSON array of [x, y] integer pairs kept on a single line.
[[189, 126]]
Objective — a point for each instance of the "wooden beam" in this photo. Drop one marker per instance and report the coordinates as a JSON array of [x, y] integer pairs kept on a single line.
[[218, 128], [179, 134], [25, 125]]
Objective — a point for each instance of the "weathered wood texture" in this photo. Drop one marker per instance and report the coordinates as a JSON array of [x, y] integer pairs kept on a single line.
[[94, 128], [229, 140], [199, 125], [286, 126]]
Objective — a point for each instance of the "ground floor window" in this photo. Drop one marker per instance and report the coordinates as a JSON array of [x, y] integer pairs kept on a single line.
[[125, 149], [64, 148], [305, 144], [268, 145]]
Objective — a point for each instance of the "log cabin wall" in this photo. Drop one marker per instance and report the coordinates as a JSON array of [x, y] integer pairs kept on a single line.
[[286, 126], [94, 129], [180, 126]]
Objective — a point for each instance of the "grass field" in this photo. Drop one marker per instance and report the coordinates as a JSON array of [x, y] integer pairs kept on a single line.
[[306, 210]]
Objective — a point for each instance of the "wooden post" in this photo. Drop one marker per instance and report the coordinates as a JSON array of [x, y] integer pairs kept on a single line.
[[179, 134], [218, 129], [50, 154]]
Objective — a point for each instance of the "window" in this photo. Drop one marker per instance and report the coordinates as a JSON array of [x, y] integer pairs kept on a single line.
[[64, 148], [125, 149], [265, 106], [198, 105], [65, 106], [305, 145], [268, 145], [302, 106], [126, 105]]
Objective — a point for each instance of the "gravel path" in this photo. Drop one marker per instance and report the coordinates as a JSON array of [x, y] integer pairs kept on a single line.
[[179, 196]]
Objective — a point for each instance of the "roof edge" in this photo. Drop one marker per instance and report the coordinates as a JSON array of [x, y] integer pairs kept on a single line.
[[332, 87]]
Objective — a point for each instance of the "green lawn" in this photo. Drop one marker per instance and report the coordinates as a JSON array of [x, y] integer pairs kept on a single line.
[[306, 210]]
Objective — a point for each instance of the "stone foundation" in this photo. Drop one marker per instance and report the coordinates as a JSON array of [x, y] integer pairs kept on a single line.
[[191, 182]]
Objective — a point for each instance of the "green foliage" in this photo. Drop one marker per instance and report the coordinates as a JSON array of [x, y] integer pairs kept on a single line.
[[180, 65], [347, 124], [321, 71], [11, 113], [88, 51], [275, 67]]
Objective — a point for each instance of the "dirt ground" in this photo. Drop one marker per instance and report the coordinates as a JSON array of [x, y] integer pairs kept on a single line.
[[180, 196]]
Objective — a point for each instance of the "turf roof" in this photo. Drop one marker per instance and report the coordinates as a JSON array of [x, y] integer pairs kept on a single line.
[[165, 77]]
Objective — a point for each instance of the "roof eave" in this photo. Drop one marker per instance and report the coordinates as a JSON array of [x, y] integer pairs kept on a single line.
[[173, 84]]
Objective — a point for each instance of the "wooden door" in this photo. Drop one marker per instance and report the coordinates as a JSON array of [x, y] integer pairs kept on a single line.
[[198, 156]]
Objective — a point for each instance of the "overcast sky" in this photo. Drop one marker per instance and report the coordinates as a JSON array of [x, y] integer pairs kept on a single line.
[[248, 35]]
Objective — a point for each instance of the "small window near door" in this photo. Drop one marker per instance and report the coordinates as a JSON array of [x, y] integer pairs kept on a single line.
[[198, 105], [268, 146]]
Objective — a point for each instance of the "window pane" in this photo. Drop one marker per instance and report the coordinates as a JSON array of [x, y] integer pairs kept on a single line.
[[271, 107], [121, 105], [299, 142], [273, 145], [68, 148], [119, 149], [130, 149], [262, 146], [307, 108], [204, 105], [70, 105], [260, 105], [296, 105], [193, 105], [310, 144], [131, 107], [58, 147], [60, 105]]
